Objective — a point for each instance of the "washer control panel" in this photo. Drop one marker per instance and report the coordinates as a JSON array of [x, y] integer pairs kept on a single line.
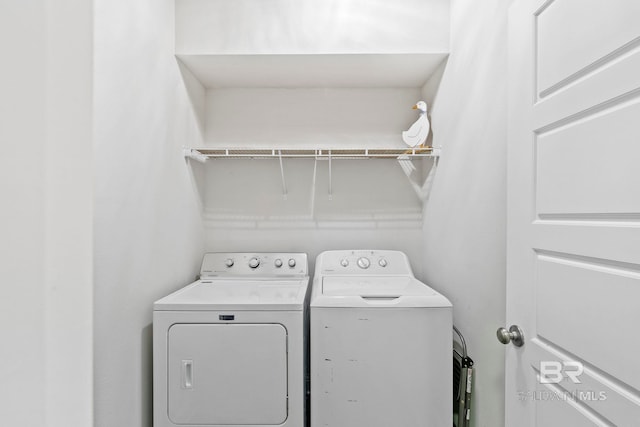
[[363, 262], [263, 264]]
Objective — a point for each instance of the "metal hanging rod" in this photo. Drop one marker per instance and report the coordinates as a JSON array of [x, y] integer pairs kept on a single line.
[[203, 154]]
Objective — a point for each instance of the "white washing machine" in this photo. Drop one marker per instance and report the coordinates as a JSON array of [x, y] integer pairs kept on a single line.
[[381, 344], [229, 349]]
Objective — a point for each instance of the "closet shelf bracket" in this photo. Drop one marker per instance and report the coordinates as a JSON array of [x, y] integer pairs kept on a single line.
[[284, 182], [194, 154], [330, 177]]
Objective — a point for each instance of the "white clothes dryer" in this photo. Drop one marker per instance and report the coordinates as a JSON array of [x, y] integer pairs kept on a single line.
[[229, 349], [381, 344]]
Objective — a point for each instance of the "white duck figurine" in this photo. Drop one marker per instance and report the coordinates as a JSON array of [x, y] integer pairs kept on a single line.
[[418, 132]]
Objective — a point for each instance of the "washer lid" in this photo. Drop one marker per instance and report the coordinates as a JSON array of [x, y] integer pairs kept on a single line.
[[374, 291], [374, 286], [237, 295]]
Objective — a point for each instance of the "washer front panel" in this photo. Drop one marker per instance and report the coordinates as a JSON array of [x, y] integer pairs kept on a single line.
[[381, 367]]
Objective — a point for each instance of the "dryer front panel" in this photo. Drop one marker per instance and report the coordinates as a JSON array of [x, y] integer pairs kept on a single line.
[[227, 374]]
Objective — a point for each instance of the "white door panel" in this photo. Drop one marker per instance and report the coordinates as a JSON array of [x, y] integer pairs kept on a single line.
[[605, 86], [571, 413], [602, 153], [601, 393], [617, 237], [574, 35], [573, 296], [573, 268]]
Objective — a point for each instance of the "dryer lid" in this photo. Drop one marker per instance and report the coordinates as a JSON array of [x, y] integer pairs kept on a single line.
[[237, 295]]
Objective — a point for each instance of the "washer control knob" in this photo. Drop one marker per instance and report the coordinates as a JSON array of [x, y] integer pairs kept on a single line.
[[344, 262], [292, 262], [382, 262], [364, 262], [254, 262], [229, 262], [278, 263]]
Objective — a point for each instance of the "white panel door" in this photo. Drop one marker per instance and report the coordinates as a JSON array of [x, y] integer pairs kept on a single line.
[[573, 268], [223, 374]]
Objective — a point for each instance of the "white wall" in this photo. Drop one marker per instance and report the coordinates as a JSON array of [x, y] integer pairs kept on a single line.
[[68, 243], [372, 204], [309, 117], [148, 233], [311, 26], [45, 181], [464, 232], [22, 131]]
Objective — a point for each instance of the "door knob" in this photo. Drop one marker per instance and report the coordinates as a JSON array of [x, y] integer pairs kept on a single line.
[[514, 335]]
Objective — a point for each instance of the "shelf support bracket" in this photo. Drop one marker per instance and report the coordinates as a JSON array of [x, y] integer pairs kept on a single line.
[[312, 207], [421, 186], [284, 182], [190, 153], [330, 179]]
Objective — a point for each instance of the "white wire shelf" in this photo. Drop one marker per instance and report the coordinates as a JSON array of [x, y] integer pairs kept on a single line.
[[404, 155], [204, 154]]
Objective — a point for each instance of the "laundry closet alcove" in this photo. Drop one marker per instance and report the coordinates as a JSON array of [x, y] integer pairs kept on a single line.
[[291, 100]]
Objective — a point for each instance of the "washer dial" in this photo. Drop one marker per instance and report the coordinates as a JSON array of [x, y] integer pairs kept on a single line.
[[364, 262]]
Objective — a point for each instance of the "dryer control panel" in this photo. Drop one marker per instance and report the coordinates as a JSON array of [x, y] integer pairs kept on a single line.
[[254, 264], [363, 263]]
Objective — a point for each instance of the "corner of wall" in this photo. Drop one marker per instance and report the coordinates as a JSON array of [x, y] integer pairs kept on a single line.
[[149, 236], [464, 218]]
